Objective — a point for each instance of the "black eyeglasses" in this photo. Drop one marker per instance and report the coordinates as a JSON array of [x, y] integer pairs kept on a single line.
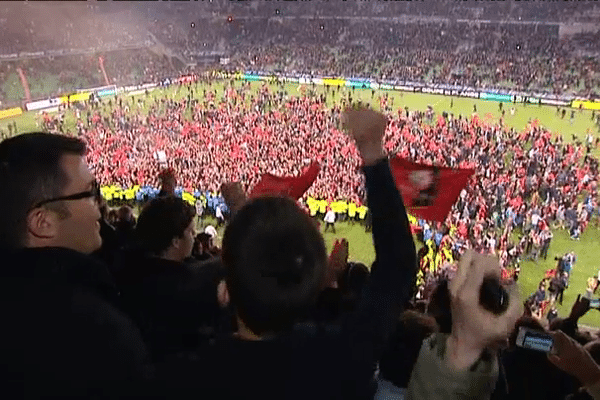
[[94, 192]]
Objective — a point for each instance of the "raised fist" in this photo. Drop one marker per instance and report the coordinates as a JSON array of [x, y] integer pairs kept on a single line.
[[484, 312], [367, 128], [234, 195]]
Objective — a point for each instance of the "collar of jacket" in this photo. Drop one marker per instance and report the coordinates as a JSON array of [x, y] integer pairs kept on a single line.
[[48, 264]]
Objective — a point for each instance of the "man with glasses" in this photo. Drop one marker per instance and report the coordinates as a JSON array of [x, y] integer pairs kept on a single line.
[[48, 194], [64, 335]]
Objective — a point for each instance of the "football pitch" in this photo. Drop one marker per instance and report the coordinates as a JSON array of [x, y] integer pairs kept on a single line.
[[361, 247]]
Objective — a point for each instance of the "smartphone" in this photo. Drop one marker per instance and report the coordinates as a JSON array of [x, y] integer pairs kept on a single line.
[[534, 340], [595, 303]]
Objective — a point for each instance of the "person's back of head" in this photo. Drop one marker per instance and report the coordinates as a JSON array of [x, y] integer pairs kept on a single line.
[[125, 213], [165, 228], [593, 348], [197, 248], [276, 264], [206, 240], [49, 197], [356, 278], [112, 217]]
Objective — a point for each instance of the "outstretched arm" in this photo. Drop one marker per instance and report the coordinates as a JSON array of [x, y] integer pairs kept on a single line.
[[395, 267]]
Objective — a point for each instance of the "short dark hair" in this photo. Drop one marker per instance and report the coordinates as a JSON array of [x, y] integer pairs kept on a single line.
[[31, 172], [594, 349], [356, 277], [204, 238], [162, 220], [125, 213], [276, 264]]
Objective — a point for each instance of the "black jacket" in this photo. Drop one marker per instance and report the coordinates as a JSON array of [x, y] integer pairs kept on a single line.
[[173, 303], [111, 248], [63, 334], [317, 361]]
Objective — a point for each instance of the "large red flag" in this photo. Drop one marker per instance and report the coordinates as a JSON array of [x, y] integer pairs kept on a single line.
[[428, 191], [290, 186]]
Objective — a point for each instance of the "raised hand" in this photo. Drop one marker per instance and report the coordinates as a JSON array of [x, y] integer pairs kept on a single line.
[[580, 307], [338, 260], [367, 128], [571, 357], [474, 328], [234, 195]]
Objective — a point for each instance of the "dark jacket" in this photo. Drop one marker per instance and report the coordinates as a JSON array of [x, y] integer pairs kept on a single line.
[[63, 334], [125, 231], [110, 250], [318, 361], [171, 302], [530, 375]]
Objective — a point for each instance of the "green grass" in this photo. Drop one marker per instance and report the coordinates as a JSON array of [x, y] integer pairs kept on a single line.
[[587, 250], [361, 248], [588, 263], [545, 114]]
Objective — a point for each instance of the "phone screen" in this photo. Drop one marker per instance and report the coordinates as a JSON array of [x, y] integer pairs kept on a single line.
[[534, 340]]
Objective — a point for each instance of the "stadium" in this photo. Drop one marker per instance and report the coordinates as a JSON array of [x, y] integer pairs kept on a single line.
[[406, 134]]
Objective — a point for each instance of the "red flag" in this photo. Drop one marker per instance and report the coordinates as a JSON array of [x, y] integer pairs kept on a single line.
[[428, 192], [291, 186]]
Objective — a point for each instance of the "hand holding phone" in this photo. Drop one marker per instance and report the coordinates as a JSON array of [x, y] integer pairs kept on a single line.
[[535, 340], [571, 357]]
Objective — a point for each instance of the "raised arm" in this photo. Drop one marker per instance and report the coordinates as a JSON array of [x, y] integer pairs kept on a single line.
[[394, 271]]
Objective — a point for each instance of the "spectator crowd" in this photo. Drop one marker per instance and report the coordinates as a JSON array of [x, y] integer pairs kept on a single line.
[[100, 304], [101, 311], [53, 76], [244, 134], [484, 53]]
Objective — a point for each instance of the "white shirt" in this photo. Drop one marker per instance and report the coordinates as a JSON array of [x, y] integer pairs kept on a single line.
[[210, 230], [330, 217]]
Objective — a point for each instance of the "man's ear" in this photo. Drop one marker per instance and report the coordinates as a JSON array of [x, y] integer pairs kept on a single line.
[[42, 224], [223, 294]]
